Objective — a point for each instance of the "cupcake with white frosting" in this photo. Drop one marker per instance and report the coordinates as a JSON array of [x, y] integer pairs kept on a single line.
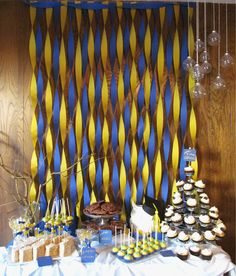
[[182, 253], [172, 233], [177, 219], [206, 254], [204, 220], [177, 201], [164, 228], [219, 233], [180, 185], [214, 215], [191, 204], [196, 237], [195, 250], [210, 235], [183, 236], [199, 185], [168, 214], [189, 221], [204, 202], [188, 188], [221, 225], [189, 171]]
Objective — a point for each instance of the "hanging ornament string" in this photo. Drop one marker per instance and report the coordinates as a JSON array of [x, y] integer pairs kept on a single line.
[[226, 28], [197, 30], [219, 43], [214, 15], [205, 28]]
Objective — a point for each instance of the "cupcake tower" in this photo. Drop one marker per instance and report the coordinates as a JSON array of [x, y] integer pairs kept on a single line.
[[133, 250], [191, 219]]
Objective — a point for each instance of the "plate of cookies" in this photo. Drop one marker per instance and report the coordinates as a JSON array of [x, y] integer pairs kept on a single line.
[[102, 209]]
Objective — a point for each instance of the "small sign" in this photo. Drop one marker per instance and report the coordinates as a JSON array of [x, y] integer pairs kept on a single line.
[[88, 255], [105, 236], [189, 155], [167, 253], [45, 261]]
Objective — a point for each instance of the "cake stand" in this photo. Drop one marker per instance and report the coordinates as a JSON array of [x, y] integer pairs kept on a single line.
[[101, 219]]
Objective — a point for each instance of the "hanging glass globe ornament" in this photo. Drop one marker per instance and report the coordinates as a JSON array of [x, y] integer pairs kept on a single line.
[[218, 83], [227, 60], [188, 63], [213, 38], [197, 73], [198, 91], [199, 45], [206, 67], [204, 56]]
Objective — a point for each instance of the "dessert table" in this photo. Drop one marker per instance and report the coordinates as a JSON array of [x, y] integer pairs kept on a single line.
[[108, 264]]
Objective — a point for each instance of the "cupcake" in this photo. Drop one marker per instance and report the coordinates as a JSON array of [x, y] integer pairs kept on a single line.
[[219, 232], [195, 250], [189, 171], [196, 237], [128, 258], [165, 228], [189, 220], [177, 219], [137, 255], [172, 233], [199, 185], [177, 201], [191, 181], [213, 215], [170, 207], [191, 204], [168, 215], [204, 202], [183, 236], [182, 253], [206, 254], [221, 225], [180, 185], [210, 235], [188, 188], [214, 209], [204, 220]]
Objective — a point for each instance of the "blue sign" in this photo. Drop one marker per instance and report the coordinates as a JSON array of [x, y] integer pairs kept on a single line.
[[189, 155], [45, 261], [105, 236], [88, 255]]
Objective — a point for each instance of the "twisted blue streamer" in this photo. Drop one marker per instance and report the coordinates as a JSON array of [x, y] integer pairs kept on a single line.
[[98, 86], [166, 143], [182, 164], [184, 43], [140, 191], [140, 129], [165, 186], [71, 50], [115, 180], [127, 118], [113, 89], [112, 47], [55, 62], [141, 32], [85, 153], [86, 195], [56, 15], [99, 178], [40, 127], [40, 86], [126, 38], [150, 187], [56, 112], [140, 98], [183, 114], [141, 65], [126, 79], [71, 98], [97, 44], [140, 159], [153, 97], [151, 146], [169, 11], [73, 192], [41, 166], [84, 105], [39, 43], [114, 135], [43, 204], [168, 98], [72, 145], [169, 53], [154, 48], [98, 135], [127, 197], [56, 166], [84, 51], [127, 156]]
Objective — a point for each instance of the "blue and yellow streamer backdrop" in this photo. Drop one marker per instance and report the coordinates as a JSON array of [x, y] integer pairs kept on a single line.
[[109, 94]]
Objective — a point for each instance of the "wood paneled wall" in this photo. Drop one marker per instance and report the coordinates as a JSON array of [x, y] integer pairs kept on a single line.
[[216, 143]]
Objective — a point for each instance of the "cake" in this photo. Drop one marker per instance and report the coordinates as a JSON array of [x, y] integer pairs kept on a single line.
[[38, 250], [52, 250], [183, 236], [66, 247], [172, 233], [15, 254], [210, 235], [206, 254], [199, 185], [26, 254], [57, 239], [182, 253], [195, 250], [196, 237]]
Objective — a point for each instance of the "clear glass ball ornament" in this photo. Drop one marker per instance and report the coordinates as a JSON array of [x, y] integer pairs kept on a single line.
[[227, 60], [218, 83], [188, 63], [204, 56], [213, 38], [206, 67], [197, 73], [199, 45], [198, 91]]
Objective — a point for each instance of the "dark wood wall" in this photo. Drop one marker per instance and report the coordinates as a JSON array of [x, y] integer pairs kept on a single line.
[[215, 113]]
